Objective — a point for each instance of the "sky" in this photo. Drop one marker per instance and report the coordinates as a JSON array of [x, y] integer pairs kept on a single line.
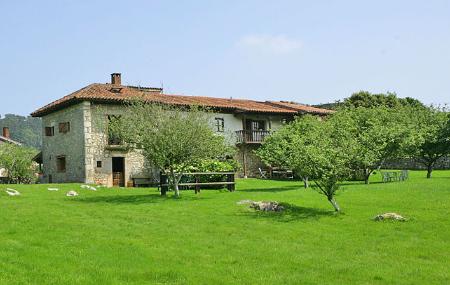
[[305, 51]]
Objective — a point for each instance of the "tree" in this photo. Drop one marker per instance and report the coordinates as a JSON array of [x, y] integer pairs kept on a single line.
[[169, 137], [279, 149], [378, 134], [389, 100], [320, 150], [17, 163], [432, 126]]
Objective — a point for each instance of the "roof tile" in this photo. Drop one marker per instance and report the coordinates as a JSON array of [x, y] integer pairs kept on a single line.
[[110, 93]]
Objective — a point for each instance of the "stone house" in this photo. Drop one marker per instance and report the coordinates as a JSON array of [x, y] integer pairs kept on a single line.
[[77, 148]]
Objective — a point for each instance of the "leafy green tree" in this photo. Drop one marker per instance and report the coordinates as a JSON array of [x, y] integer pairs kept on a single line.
[[279, 149], [170, 138], [432, 127], [390, 100], [17, 163], [320, 150], [378, 134]]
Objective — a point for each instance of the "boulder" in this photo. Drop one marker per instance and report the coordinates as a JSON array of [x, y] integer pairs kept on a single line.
[[389, 216], [267, 206]]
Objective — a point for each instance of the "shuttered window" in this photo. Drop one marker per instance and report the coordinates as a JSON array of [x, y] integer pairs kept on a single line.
[[61, 163], [220, 125], [49, 131], [64, 127]]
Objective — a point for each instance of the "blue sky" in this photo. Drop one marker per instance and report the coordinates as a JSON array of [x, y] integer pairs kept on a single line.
[[304, 51]]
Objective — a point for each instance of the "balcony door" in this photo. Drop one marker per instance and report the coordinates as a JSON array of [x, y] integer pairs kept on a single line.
[[255, 125], [255, 130]]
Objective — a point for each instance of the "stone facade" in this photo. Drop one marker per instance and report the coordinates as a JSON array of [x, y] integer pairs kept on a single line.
[[100, 153], [89, 158], [69, 145], [249, 161]]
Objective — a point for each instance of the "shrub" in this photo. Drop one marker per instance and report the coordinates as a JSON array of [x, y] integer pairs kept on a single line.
[[211, 165], [17, 162]]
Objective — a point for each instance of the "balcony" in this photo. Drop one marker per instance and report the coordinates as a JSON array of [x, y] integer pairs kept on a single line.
[[251, 137], [115, 143]]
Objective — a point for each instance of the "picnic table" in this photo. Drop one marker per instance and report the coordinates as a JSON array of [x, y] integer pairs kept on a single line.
[[398, 175], [281, 173]]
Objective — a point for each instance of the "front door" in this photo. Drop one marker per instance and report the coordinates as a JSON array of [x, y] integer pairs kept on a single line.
[[118, 170]]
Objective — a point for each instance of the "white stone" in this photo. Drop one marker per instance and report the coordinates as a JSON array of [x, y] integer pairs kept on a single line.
[[12, 192], [389, 216], [71, 194]]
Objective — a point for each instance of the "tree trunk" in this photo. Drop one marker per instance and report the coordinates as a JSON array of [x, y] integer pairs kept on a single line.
[[305, 182], [366, 176], [335, 204], [176, 188], [429, 170], [175, 183]]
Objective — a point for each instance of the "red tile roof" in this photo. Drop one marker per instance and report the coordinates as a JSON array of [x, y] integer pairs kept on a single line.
[[109, 93], [301, 107]]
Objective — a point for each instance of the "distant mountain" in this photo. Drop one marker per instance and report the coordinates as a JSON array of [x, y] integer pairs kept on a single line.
[[26, 130]]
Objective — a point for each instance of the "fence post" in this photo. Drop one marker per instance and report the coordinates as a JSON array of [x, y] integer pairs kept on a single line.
[[197, 187], [230, 178], [163, 183]]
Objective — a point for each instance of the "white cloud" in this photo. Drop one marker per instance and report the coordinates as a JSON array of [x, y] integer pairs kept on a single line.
[[277, 44]]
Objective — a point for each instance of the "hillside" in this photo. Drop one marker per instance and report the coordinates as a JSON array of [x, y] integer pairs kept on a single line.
[[26, 130]]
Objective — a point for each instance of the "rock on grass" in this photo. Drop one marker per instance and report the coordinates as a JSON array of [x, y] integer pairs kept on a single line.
[[389, 216]]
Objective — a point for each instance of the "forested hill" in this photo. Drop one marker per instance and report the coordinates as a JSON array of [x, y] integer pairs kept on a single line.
[[26, 130]]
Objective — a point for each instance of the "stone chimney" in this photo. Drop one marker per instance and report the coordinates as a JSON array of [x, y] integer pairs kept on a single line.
[[6, 132], [116, 79]]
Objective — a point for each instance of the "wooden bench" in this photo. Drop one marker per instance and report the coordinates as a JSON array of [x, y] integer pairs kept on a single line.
[[279, 173], [144, 182], [229, 183]]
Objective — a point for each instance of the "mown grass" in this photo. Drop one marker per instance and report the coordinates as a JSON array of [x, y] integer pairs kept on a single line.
[[133, 236]]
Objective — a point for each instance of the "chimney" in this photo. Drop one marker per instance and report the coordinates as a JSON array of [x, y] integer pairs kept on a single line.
[[116, 79], [6, 132]]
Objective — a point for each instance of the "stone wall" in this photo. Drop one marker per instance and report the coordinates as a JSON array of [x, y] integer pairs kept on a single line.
[[249, 161], [98, 150], [70, 145], [414, 164]]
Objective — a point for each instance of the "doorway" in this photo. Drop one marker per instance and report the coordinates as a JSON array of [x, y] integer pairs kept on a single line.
[[118, 170]]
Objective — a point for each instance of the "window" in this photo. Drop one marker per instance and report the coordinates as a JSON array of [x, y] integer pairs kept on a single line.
[[49, 131], [255, 125], [99, 164], [61, 163], [113, 139], [64, 127], [220, 125]]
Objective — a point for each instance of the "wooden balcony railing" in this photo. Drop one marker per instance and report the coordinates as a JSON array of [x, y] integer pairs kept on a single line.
[[248, 136]]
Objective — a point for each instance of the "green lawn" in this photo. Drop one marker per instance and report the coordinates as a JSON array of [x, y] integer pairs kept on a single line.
[[133, 236]]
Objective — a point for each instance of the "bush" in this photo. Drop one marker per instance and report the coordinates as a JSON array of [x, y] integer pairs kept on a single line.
[[17, 163], [211, 165]]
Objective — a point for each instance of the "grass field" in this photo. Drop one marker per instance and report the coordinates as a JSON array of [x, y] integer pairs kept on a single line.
[[133, 236]]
